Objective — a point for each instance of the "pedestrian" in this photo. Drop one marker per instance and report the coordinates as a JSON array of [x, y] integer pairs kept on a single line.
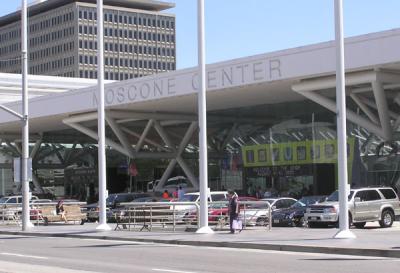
[[259, 193], [233, 209], [181, 193], [60, 210], [165, 194], [175, 193]]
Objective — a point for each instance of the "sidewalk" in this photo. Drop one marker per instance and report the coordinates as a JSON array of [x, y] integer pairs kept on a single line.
[[371, 241]]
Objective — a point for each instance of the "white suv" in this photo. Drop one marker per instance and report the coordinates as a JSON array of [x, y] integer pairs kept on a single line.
[[365, 205]]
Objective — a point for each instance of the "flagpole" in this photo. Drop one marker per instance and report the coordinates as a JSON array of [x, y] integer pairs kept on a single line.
[[202, 112], [344, 231], [101, 121]]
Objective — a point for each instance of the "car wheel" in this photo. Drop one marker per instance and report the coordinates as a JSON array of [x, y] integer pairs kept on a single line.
[[302, 222], [312, 225], [262, 221], [360, 224], [387, 219]]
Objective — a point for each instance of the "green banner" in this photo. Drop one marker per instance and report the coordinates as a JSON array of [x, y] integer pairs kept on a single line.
[[294, 153]]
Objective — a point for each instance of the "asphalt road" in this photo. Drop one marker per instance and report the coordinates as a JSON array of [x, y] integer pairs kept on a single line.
[[65, 255]]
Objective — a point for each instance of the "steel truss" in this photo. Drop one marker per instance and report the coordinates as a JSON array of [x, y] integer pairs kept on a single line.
[[378, 119], [157, 121]]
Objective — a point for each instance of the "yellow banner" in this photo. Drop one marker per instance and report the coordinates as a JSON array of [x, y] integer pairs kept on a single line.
[[294, 153]]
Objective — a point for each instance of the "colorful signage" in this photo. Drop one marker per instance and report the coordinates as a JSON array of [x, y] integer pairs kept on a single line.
[[294, 153]]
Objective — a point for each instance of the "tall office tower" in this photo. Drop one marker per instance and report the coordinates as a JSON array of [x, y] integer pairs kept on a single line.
[[139, 39]]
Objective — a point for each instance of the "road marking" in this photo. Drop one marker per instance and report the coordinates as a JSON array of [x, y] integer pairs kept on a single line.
[[24, 256], [172, 271]]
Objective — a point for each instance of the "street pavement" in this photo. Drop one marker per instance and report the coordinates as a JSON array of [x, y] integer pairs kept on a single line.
[[23, 254], [371, 241]]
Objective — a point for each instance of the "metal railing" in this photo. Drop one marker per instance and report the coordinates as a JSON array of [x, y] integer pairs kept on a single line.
[[171, 214], [11, 213]]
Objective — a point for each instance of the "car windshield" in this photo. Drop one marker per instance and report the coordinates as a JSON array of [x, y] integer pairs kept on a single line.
[[3, 200], [305, 201], [334, 197], [111, 198], [269, 200], [190, 197]]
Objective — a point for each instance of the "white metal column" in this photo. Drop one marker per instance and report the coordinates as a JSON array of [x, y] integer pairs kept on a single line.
[[202, 112], [344, 232], [101, 121], [26, 224]]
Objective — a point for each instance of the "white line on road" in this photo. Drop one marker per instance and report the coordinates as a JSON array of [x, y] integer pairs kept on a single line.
[[172, 271], [24, 256]]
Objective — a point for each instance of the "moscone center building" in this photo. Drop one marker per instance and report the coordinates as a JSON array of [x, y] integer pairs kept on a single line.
[[271, 123]]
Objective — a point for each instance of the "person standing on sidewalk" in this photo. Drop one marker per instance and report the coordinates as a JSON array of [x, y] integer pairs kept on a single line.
[[233, 209]]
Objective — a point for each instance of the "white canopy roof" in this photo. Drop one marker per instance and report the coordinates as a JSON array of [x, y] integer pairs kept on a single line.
[[256, 80]]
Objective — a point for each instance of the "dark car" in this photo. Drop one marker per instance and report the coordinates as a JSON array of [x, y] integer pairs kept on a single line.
[[294, 215], [112, 202]]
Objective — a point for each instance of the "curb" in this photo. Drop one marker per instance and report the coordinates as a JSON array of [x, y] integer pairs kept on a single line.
[[386, 253]]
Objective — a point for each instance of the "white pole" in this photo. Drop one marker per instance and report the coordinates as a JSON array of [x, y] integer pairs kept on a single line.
[[202, 110], [101, 131], [26, 224], [344, 231]]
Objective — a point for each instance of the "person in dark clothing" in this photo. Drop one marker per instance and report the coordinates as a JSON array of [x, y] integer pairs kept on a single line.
[[60, 210], [233, 209]]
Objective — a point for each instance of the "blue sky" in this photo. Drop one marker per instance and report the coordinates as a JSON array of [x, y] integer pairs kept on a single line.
[[238, 28]]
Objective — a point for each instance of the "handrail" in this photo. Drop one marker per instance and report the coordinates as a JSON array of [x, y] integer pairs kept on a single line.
[[172, 206]]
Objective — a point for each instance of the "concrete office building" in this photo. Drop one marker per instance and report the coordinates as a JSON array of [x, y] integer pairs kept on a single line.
[[139, 39]]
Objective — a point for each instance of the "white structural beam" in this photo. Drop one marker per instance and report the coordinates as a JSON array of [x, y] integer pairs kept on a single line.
[[365, 108], [142, 138], [330, 81], [163, 134], [133, 115], [166, 174], [118, 147], [352, 116], [344, 231], [121, 136], [149, 141], [372, 104], [36, 148], [382, 107]]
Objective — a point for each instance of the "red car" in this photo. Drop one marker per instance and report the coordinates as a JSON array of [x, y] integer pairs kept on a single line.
[[217, 211]]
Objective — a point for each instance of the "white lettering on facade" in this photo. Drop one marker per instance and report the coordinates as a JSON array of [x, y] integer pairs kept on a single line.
[[258, 71], [158, 87], [132, 92], [145, 90], [120, 94], [211, 79], [109, 96], [275, 69], [242, 71], [227, 77], [171, 86], [195, 81], [222, 77]]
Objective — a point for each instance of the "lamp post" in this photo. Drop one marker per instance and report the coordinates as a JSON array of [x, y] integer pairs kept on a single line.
[[26, 224], [344, 232], [202, 112], [101, 131]]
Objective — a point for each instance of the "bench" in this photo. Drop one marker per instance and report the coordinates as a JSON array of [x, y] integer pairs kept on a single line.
[[72, 213]]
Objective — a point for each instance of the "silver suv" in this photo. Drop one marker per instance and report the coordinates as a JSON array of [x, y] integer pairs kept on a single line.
[[365, 205]]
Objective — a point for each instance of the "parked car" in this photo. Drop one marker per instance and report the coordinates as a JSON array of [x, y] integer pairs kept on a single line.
[[14, 199], [294, 215], [171, 184], [112, 202], [258, 214], [364, 205]]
